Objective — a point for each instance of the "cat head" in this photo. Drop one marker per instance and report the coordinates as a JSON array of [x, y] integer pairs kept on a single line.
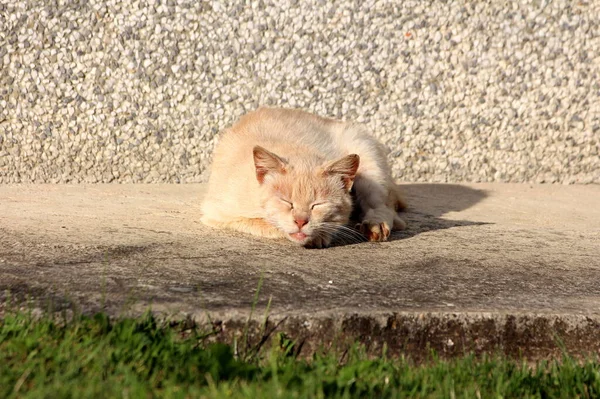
[[305, 200]]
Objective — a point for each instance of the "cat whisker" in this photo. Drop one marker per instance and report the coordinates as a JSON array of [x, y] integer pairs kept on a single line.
[[341, 232], [337, 227], [347, 239]]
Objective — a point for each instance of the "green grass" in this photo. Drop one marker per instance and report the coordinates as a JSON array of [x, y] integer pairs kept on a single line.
[[95, 357]]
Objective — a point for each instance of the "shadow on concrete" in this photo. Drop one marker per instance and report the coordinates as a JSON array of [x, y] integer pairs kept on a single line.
[[439, 199], [427, 203]]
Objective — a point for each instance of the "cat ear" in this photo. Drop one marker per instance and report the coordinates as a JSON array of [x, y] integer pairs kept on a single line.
[[266, 162], [344, 167]]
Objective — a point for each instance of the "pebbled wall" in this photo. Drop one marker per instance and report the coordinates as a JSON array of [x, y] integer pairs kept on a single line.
[[136, 91]]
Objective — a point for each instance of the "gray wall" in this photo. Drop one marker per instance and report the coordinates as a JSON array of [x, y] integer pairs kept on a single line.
[[124, 91]]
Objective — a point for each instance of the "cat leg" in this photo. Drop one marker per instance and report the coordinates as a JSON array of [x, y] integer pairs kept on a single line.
[[378, 206], [397, 203], [255, 226], [377, 197]]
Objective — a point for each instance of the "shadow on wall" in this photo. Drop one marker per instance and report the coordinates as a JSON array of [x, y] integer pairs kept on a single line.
[[428, 202]]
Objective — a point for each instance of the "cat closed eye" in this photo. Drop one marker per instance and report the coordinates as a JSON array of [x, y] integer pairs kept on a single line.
[[318, 204], [288, 203]]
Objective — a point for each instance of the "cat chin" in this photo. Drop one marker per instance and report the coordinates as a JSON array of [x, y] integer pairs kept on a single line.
[[299, 237], [308, 241]]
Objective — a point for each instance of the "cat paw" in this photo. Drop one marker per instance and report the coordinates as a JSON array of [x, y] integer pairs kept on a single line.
[[374, 231], [318, 242]]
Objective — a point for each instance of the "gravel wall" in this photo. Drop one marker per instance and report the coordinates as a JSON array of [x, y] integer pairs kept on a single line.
[[130, 91]]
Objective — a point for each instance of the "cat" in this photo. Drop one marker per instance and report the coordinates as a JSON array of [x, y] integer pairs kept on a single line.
[[288, 173]]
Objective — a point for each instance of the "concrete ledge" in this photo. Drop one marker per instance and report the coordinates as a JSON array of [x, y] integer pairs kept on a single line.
[[482, 267], [416, 335]]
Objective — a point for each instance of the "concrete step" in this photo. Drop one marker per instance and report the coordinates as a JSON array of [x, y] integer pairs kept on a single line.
[[483, 267]]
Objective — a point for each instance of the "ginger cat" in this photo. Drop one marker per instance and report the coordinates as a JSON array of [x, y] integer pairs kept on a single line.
[[287, 173]]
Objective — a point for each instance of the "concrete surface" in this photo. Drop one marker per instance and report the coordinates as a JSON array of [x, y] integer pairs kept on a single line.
[[482, 267]]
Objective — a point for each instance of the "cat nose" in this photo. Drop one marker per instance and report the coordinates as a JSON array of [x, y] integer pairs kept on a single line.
[[300, 222]]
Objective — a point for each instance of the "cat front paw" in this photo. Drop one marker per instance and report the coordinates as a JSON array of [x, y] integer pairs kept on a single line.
[[318, 242], [374, 231]]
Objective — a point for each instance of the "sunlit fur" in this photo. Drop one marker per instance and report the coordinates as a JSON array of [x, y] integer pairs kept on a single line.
[[278, 165]]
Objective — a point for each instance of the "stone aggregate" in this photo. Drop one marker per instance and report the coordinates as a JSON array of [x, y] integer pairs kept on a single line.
[[137, 91]]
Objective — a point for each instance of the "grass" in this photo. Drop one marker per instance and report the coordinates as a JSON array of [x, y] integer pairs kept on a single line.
[[97, 357]]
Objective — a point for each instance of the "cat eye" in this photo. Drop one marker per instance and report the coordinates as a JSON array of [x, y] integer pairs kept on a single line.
[[287, 203], [317, 204]]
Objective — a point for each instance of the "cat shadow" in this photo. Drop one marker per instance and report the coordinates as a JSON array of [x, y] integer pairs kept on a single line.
[[427, 203]]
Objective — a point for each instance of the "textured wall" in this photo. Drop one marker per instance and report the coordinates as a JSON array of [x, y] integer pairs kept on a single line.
[[122, 90]]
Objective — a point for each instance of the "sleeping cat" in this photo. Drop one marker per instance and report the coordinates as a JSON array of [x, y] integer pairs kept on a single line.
[[287, 173]]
